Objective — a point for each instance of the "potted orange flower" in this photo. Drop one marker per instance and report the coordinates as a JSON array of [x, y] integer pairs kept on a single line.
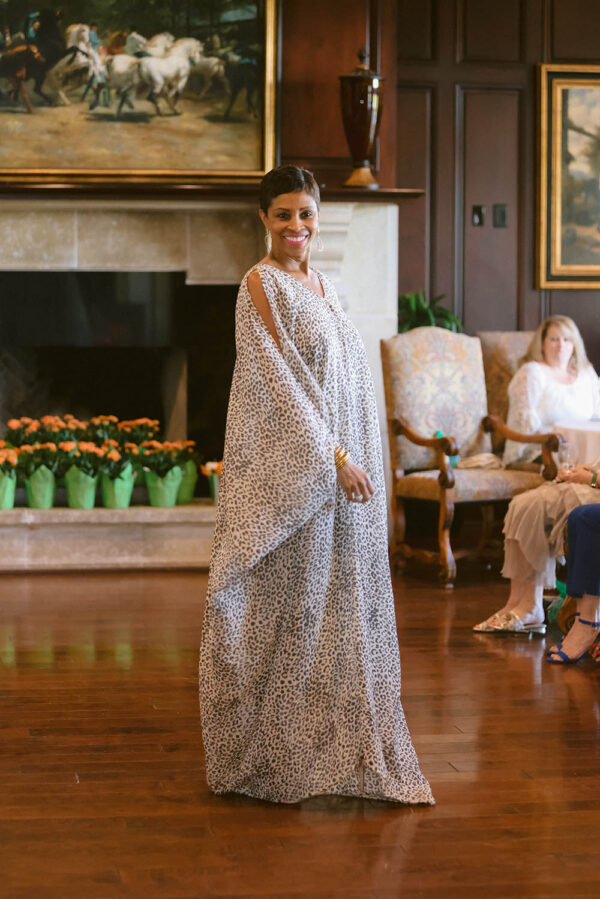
[[162, 471], [26, 430], [82, 463], [138, 430], [117, 474], [188, 459], [212, 471], [102, 428], [47, 429], [15, 431], [75, 428], [8, 475], [54, 429], [38, 465]]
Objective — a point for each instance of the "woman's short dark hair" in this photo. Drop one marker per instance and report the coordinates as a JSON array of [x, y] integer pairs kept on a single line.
[[287, 179]]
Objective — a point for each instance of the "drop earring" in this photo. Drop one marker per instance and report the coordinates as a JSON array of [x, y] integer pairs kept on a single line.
[[319, 243], [268, 240]]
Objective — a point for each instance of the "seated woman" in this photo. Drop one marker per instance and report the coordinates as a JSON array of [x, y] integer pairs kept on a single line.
[[533, 539], [555, 382], [583, 583]]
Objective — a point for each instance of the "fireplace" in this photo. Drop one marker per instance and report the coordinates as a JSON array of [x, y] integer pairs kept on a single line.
[[130, 344]]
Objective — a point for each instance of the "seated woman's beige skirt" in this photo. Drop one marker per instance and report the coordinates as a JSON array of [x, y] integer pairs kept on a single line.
[[534, 526]]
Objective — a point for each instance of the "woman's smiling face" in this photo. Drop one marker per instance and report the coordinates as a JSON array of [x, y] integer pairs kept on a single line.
[[293, 220]]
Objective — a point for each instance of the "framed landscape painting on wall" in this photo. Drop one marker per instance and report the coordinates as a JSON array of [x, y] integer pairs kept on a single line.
[[137, 91], [569, 187]]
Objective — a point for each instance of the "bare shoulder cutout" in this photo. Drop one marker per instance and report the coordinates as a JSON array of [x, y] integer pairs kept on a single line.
[[259, 298]]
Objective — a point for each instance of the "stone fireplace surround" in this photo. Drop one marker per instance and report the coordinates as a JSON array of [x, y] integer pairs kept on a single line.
[[214, 241]]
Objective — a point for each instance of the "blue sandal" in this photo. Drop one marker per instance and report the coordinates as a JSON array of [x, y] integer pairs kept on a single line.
[[563, 657]]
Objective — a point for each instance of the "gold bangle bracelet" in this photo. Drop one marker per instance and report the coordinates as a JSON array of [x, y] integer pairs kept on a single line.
[[341, 461]]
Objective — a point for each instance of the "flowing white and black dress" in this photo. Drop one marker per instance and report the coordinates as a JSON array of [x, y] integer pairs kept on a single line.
[[299, 666]]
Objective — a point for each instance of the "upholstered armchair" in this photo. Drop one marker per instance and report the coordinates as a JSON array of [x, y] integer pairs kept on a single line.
[[434, 382]]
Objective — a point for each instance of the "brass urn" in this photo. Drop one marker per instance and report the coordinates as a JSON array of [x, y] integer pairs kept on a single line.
[[362, 94]]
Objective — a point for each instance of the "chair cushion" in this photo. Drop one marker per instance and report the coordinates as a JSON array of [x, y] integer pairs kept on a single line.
[[471, 485], [434, 380]]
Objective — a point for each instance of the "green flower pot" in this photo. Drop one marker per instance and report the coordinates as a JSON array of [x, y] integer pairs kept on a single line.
[[213, 486], [40, 488], [81, 488], [8, 485], [162, 492], [116, 492], [185, 494]]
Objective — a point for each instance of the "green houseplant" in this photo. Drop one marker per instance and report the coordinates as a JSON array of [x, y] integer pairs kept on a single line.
[[188, 459], [9, 459], [39, 464], [117, 475], [212, 470], [82, 463], [415, 311], [163, 472]]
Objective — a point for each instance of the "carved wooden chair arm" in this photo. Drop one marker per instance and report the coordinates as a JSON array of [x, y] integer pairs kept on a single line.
[[495, 423], [399, 427], [443, 447], [548, 442]]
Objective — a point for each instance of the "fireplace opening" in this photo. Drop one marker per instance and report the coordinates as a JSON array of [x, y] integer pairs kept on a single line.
[[131, 344]]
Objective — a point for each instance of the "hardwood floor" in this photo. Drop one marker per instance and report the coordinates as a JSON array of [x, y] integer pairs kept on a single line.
[[102, 790]]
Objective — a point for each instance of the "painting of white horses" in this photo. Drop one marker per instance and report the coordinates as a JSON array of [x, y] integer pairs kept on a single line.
[[155, 91]]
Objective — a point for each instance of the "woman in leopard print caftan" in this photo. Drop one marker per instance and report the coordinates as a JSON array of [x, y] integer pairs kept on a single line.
[[299, 667]]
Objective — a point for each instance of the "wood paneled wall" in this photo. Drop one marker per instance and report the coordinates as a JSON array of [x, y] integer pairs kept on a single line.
[[460, 120], [320, 41], [467, 101]]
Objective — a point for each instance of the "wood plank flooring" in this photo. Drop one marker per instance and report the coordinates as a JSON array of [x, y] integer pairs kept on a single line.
[[102, 790]]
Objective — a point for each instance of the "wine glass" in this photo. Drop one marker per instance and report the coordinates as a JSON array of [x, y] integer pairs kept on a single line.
[[566, 456]]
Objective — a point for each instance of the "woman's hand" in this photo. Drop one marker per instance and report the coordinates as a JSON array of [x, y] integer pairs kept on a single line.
[[578, 475], [355, 483]]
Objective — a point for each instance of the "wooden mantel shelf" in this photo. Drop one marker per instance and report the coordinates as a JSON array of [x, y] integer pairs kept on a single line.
[[230, 191]]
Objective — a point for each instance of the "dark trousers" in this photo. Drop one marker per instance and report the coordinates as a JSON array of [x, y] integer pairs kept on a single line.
[[584, 551]]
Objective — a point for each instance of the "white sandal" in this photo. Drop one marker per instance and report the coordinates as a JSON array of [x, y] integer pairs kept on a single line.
[[510, 623], [486, 627]]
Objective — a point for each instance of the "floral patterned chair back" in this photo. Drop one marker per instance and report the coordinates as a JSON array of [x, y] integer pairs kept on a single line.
[[434, 380], [502, 351]]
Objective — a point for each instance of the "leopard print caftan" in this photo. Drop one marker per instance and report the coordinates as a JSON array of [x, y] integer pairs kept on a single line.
[[300, 668]]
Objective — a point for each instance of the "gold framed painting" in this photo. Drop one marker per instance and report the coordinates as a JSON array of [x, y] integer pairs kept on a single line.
[[93, 91], [569, 170]]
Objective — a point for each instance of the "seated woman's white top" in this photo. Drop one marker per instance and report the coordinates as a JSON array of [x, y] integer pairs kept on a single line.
[[536, 400]]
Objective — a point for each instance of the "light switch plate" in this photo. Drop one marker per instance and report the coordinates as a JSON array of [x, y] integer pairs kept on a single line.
[[478, 216]]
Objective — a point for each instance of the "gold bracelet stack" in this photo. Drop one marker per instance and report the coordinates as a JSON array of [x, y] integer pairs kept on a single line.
[[341, 457]]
